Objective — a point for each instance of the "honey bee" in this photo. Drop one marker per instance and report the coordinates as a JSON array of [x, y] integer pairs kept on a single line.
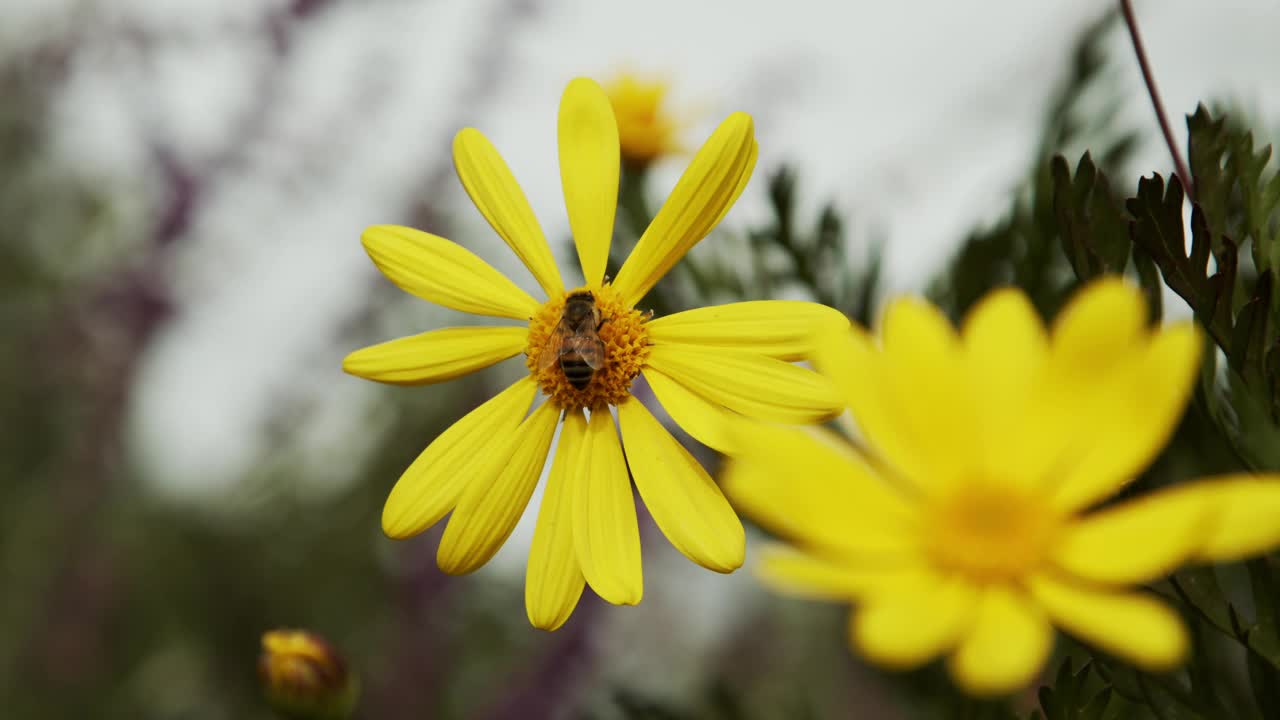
[[578, 349]]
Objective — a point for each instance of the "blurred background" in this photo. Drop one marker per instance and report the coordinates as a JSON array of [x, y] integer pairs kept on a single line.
[[182, 189]]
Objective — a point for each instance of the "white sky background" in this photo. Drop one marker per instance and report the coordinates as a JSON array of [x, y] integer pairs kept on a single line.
[[916, 117]]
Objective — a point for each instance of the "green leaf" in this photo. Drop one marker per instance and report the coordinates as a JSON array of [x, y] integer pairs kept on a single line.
[[1232, 183], [1166, 698], [1251, 336], [1198, 587], [1246, 418], [1093, 227], [1265, 637], [1149, 279], [1097, 707], [1073, 696], [1264, 680], [1157, 229], [1207, 146]]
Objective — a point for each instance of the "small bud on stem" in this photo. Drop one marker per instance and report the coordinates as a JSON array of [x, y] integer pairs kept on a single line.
[[304, 678]]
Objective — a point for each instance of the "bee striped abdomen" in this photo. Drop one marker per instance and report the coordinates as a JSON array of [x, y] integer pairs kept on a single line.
[[576, 371]]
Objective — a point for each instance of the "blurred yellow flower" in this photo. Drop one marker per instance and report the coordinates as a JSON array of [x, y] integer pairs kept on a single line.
[[303, 677], [646, 129], [699, 363], [965, 524]]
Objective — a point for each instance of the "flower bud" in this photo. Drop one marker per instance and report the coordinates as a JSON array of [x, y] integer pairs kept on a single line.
[[304, 678], [647, 130]]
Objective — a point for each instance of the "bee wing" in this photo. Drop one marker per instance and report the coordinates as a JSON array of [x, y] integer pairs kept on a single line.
[[589, 348], [550, 352]]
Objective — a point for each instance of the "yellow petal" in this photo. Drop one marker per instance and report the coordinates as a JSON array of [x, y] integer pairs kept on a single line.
[[498, 197], [1090, 376], [812, 492], [1006, 647], [744, 177], [1247, 510], [605, 531], [913, 625], [684, 501], [929, 395], [757, 386], [589, 159], [430, 488], [487, 512], [436, 356], [554, 582], [444, 273], [1137, 541], [783, 329], [1133, 420], [706, 422], [1006, 348], [803, 574], [699, 200], [1132, 626], [855, 365], [1101, 324]]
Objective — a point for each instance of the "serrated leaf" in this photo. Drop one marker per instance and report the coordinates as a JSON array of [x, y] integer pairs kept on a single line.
[[1251, 337], [1157, 229], [1264, 681], [1201, 673], [1070, 696], [1092, 226], [1265, 637], [1149, 280], [1207, 144], [1198, 587], [1097, 707], [1166, 698], [1122, 709], [1240, 196], [1248, 423]]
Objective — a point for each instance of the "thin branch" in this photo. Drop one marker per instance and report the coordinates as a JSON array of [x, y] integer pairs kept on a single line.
[[1180, 167]]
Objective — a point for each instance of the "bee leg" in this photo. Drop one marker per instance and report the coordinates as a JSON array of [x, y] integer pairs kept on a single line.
[[602, 322]]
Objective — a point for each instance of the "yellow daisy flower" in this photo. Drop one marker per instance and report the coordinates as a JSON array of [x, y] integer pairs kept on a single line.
[[646, 129], [966, 522], [700, 364]]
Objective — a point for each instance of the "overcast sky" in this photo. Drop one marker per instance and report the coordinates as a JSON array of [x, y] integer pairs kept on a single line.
[[914, 117]]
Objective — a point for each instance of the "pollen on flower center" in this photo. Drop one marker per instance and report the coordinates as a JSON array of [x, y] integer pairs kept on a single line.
[[990, 533], [625, 346]]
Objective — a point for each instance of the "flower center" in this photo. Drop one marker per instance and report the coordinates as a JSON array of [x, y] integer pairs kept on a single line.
[[561, 355], [991, 533]]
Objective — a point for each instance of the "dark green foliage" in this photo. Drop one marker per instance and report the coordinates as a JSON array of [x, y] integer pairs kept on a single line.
[[785, 253], [1232, 185], [1157, 231], [1074, 695], [1049, 230], [1094, 232], [1234, 299], [1162, 697]]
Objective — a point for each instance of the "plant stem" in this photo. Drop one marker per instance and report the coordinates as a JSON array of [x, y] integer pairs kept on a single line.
[[1180, 167]]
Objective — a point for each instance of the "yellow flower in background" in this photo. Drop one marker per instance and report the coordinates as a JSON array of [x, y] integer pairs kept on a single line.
[[646, 129], [700, 364], [966, 524], [304, 677]]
